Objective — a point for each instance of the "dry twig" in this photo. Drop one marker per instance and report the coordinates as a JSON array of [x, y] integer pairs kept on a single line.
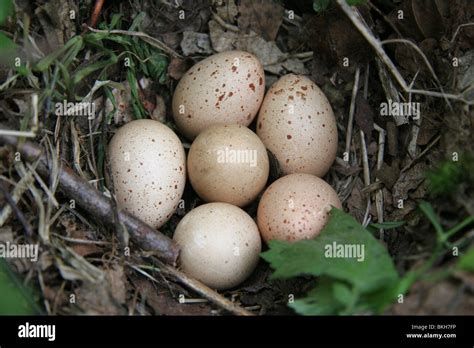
[[99, 206], [202, 289], [359, 23], [95, 203]]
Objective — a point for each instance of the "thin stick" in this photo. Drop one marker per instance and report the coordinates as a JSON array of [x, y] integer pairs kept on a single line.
[[458, 29], [379, 193], [11, 201], [409, 165], [358, 22], [425, 60], [202, 289], [95, 203], [224, 24], [351, 112], [365, 159], [18, 192], [96, 12], [34, 127]]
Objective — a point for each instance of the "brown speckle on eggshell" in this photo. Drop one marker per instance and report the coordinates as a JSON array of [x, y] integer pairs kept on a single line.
[[295, 207], [147, 162], [229, 88], [310, 141]]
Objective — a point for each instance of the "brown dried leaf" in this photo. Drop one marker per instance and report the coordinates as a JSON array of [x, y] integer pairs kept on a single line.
[[162, 303], [388, 174], [178, 67], [443, 298], [106, 297], [78, 231], [195, 43], [364, 115], [263, 17], [408, 181], [428, 18], [221, 40], [357, 201]]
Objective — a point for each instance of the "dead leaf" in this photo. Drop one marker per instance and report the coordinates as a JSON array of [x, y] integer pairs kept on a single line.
[[271, 57], [428, 18], [221, 40], [408, 181], [80, 232], [388, 174], [116, 279], [96, 299], [442, 298], [357, 201], [54, 17], [159, 109], [263, 17], [195, 43], [227, 10], [364, 116], [178, 67], [162, 303], [392, 138]]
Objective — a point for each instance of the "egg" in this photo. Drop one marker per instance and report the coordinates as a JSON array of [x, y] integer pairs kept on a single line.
[[228, 163], [297, 124], [148, 168], [295, 207], [224, 88], [220, 245]]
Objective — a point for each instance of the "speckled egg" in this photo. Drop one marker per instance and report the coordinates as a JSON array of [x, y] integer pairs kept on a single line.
[[147, 163], [297, 124], [228, 163], [220, 245], [224, 88], [295, 207]]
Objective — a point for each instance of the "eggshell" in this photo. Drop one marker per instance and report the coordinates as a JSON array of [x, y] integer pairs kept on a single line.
[[297, 124], [224, 88], [295, 207], [228, 163], [147, 163], [220, 245]]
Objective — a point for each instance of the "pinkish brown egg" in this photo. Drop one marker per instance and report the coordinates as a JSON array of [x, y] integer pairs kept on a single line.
[[228, 163], [224, 88], [220, 245], [295, 207], [297, 124], [148, 168]]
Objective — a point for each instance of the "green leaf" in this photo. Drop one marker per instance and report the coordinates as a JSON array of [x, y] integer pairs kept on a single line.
[[320, 5], [429, 212], [89, 69], [388, 225], [6, 43], [319, 300], [466, 261], [115, 21], [355, 2], [75, 44], [15, 299], [312, 257], [355, 272], [6, 8]]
